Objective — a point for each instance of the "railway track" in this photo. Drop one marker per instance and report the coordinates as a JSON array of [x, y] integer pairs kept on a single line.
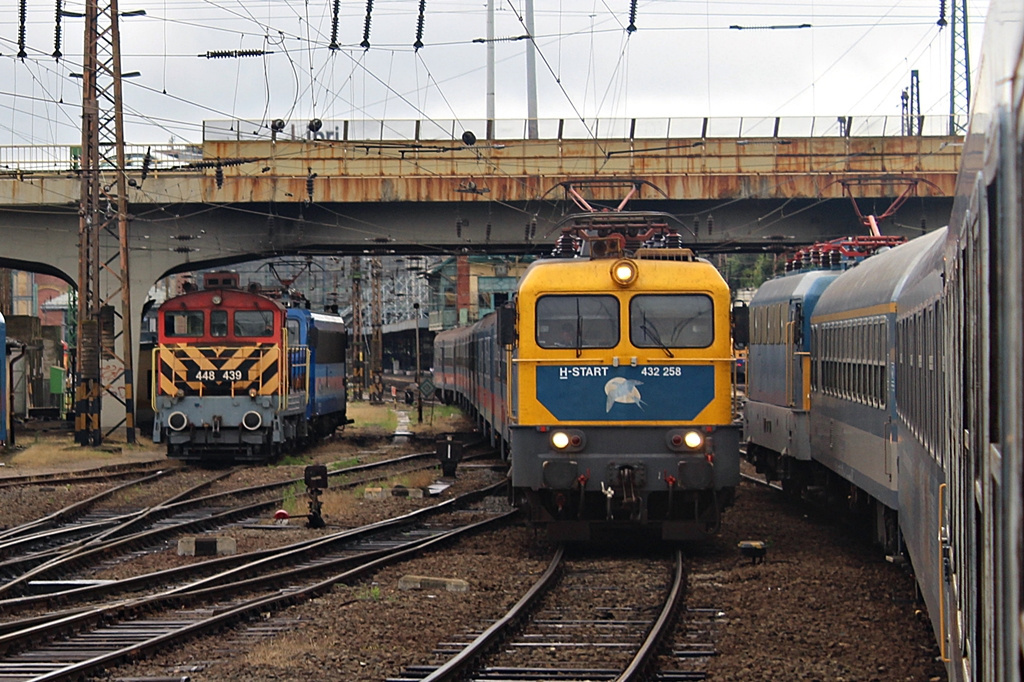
[[94, 475], [584, 619], [74, 643], [153, 526]]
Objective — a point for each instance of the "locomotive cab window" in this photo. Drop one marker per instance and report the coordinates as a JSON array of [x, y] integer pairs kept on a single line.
[[294, 338], [254, 322], [218, 323], [671, 321], [183, 323], [577, 321]]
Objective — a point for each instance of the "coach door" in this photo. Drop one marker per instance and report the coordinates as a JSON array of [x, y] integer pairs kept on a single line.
[[798, 361]]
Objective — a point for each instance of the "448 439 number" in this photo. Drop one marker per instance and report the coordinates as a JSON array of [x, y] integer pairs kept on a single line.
[[218, 375]]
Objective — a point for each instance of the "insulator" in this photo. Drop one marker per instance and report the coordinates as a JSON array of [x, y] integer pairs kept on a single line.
[[419, 26], [487, 233], [657, 241], [565, 246], [458, 228], [674, 240], [22, 12], [309, 183], [632, 17], [942, 13], [711, 224], [57, 32], [225, 54], [219, 176], [147, 162], [533, 228], [526, 233], [366, 26], [334, 26]]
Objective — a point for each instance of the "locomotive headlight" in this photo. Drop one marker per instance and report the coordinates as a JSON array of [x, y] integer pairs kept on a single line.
[[177, 421], [690, 440], [216, 300], [624, 272], [252, 420], [568, 441], [693, 439]]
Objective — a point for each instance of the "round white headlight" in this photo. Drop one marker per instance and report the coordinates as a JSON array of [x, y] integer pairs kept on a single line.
[[624, 272], [560, 440], [177, 421], [693, 439], [216, 300]]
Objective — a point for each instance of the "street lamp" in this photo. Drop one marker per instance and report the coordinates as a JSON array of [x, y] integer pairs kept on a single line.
[[419, 392]]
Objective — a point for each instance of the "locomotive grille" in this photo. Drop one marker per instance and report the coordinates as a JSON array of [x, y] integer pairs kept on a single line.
[[218, 370]]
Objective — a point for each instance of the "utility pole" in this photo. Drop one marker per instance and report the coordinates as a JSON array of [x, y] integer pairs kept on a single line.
[[490, 70], [358, 364], [959, 65], [376, 331], [419, 393], [912, 119], [103, 235], [533, 131]]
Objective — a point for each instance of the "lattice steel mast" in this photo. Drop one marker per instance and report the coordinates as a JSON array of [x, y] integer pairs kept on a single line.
[[102, 235], [959, 65], [358, 366]]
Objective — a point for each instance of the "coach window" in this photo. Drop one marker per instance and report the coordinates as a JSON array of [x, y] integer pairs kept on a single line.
[[577, 321], [671, 321], [218, 323], [183, 323], [254, 322]]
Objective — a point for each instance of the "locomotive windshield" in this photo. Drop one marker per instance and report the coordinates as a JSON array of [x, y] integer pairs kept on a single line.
[[218, 323], [183, 323], [254, 322], [671, 321], [577, 322]]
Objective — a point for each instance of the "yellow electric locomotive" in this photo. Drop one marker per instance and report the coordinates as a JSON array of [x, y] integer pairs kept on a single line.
[[620, 395]]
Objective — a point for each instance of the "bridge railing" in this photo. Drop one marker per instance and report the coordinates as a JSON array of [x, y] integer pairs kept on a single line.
[[433, 130], [63, 157]]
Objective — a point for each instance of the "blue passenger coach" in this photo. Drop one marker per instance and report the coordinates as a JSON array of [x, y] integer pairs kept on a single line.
[[779, 364]]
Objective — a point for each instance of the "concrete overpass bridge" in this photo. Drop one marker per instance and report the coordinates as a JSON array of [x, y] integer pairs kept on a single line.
[[251, 190]]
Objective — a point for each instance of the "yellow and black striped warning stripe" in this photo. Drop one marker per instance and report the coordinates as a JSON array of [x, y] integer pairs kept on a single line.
[[218, 370]]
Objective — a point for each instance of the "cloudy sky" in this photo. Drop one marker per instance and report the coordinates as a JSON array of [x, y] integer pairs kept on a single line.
[[685, 59]]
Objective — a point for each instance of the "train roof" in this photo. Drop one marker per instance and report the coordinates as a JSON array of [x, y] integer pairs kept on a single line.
[[585, 275], [874, 286], [801, 285], [229, 296], [321, 319]]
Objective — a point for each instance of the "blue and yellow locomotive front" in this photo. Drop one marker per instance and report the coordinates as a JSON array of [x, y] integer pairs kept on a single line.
[[621, 397]]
